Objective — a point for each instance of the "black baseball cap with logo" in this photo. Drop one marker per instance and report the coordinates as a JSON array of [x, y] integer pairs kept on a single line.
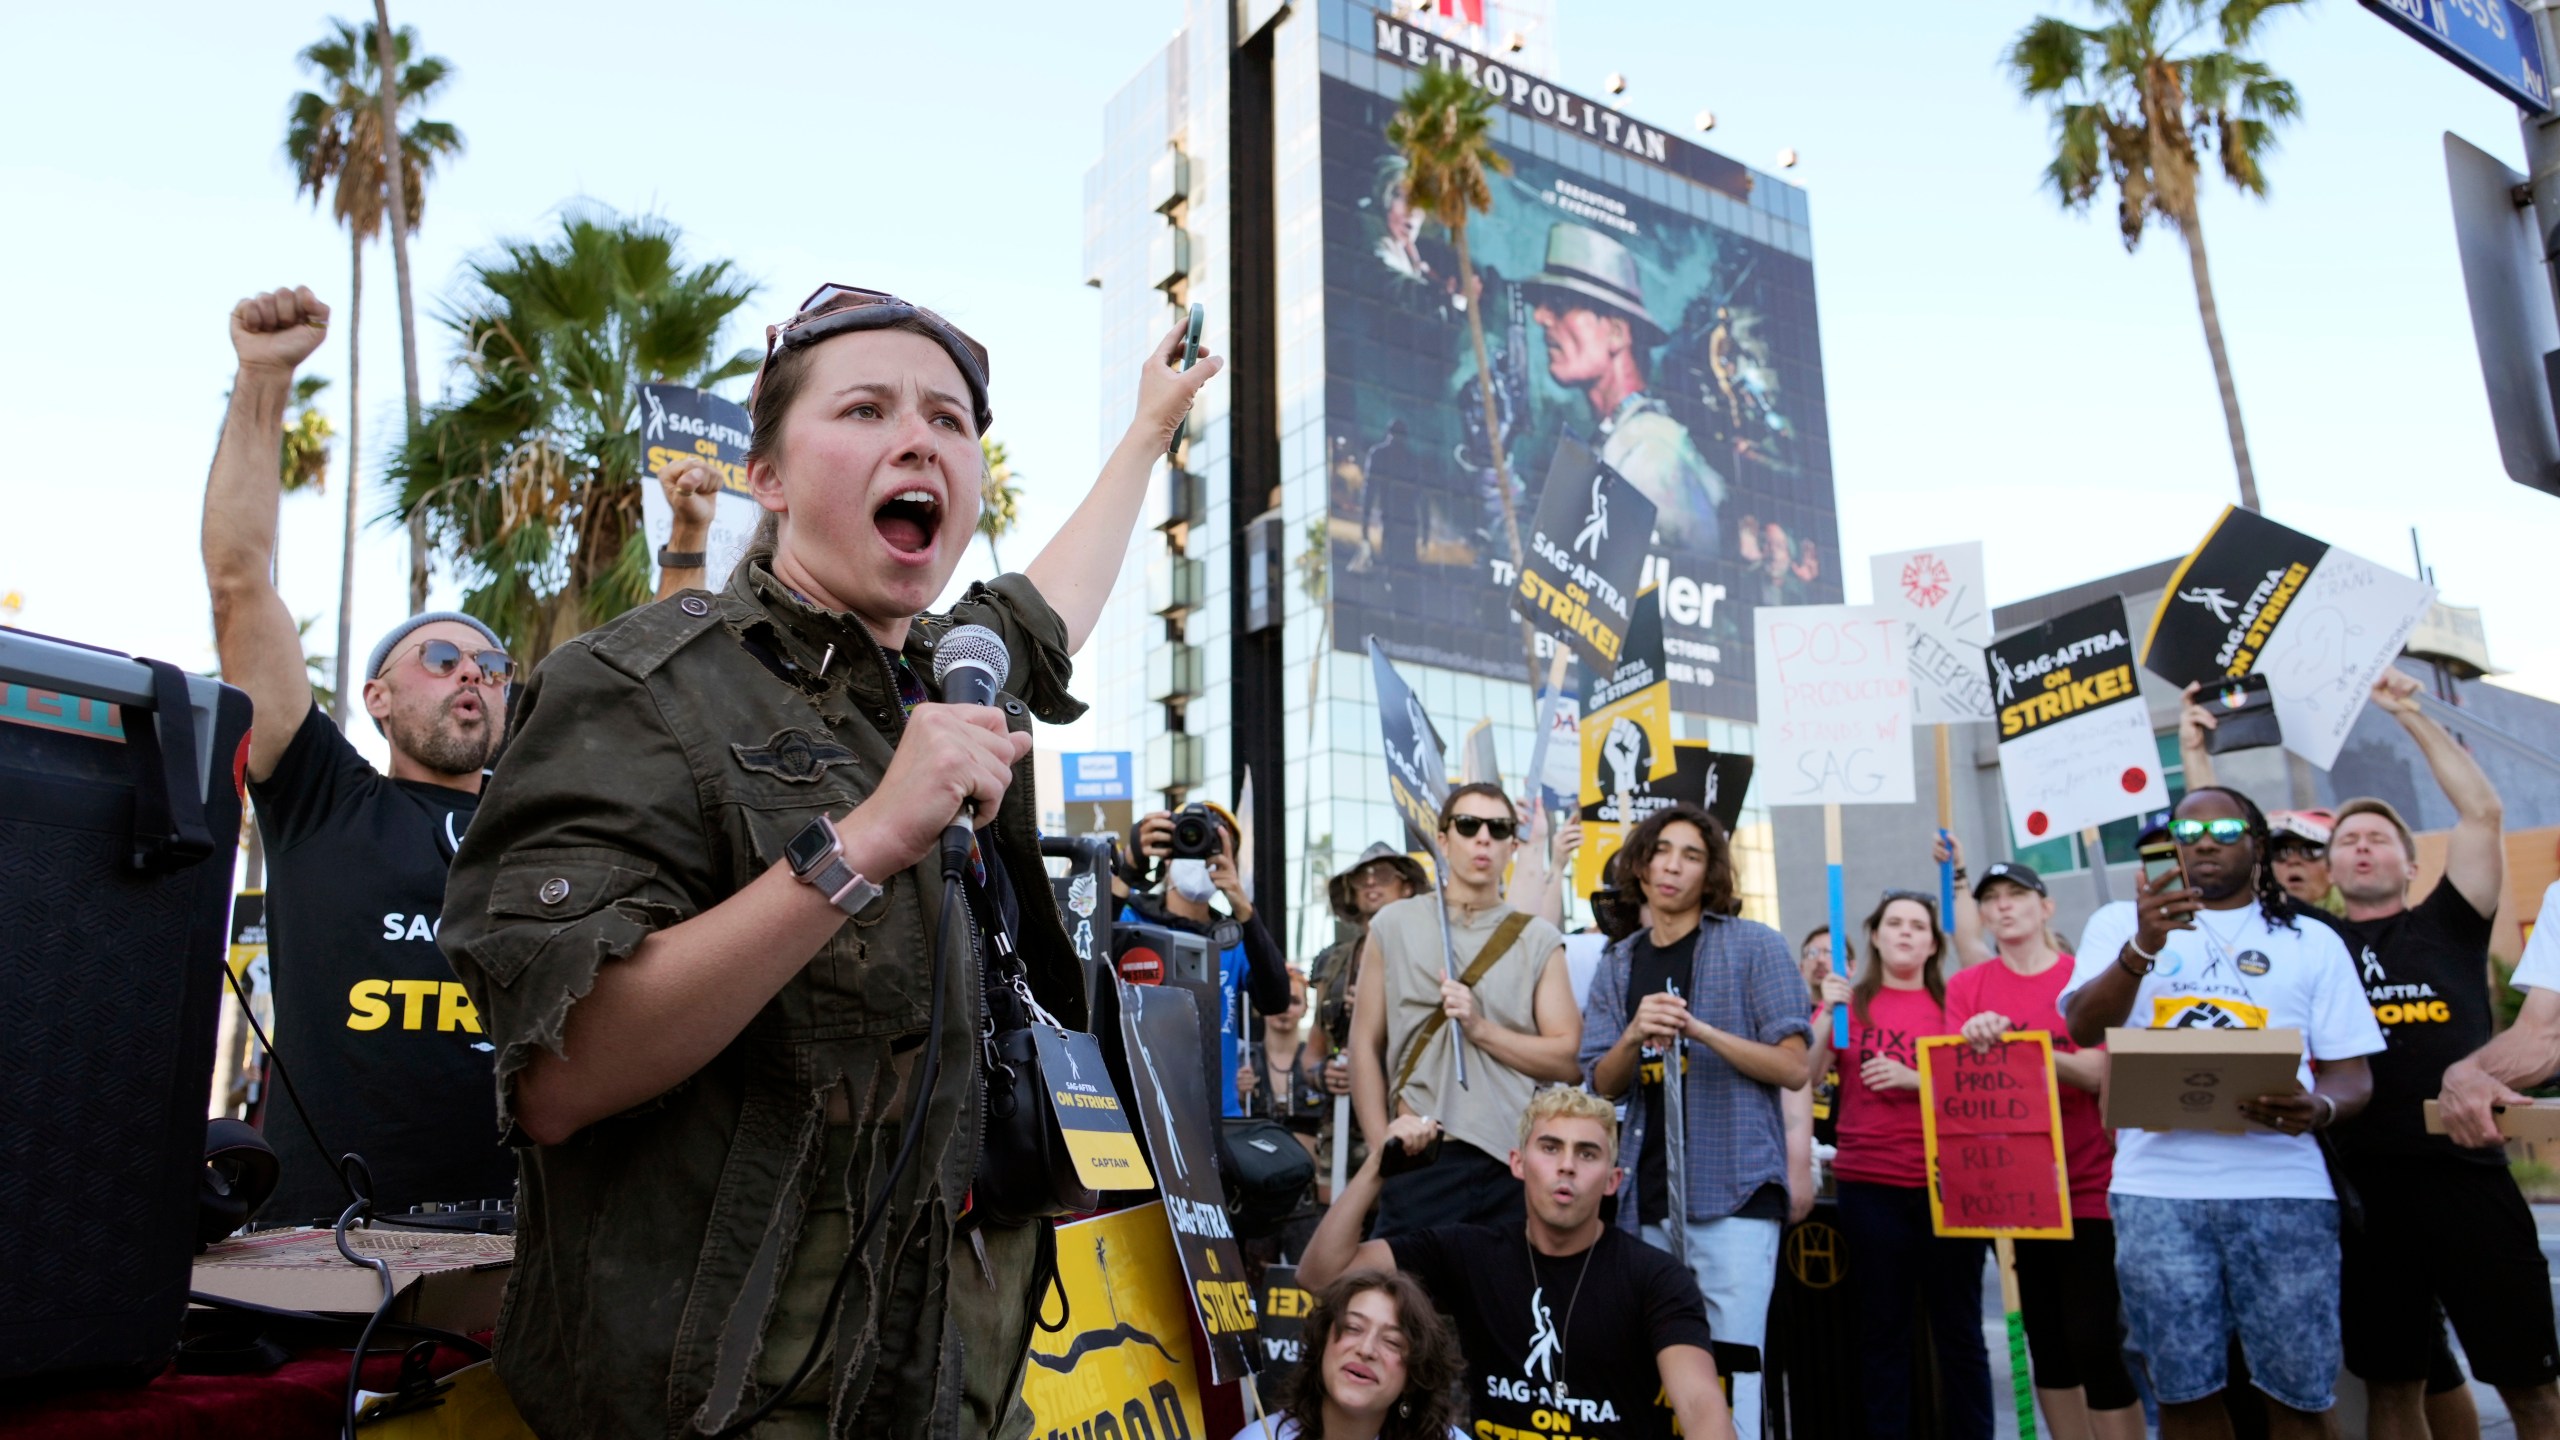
[[2014, 873]]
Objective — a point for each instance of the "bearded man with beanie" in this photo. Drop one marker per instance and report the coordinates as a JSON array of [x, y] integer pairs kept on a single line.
[[382, 1046]]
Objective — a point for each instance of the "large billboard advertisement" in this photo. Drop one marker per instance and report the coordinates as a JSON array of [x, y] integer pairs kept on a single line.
[[1680, 354]]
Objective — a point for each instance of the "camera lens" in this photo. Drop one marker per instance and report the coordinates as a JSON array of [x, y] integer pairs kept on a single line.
[[1195, 835]]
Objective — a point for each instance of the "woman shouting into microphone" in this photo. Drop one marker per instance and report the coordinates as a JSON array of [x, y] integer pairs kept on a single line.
[[698, 913]]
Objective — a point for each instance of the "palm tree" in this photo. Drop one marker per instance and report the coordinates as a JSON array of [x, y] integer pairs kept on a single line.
[[1443, 127], [399, 188], [529, 480], [2134, 99], [306, 440], [1000, 497], [333, 141]]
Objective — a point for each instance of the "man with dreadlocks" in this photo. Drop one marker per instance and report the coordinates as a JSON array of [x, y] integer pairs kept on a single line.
[[2217, 1233]]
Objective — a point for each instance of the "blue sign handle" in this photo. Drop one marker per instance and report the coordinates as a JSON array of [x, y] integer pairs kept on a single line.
[[1839, 954], [1947, 885]]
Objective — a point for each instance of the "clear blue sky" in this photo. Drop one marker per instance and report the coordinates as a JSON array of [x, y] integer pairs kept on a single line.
[[1996, 369]]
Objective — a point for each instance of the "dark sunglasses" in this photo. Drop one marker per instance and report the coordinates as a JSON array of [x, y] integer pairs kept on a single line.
[[2300, 849], [1468, 825], [441, 657], [834, 310], [2226, 831], [1922, 898]]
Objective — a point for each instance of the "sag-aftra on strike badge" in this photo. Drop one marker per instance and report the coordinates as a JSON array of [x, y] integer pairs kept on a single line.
[[1090, 1120]]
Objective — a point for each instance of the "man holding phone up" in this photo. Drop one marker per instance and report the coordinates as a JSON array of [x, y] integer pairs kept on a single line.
[[2217, 1232]]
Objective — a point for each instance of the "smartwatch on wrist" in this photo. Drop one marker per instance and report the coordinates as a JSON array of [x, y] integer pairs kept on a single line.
[[817, 858]]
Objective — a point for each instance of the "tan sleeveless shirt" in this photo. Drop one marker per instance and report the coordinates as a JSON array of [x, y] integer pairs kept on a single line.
[[1406, 936]]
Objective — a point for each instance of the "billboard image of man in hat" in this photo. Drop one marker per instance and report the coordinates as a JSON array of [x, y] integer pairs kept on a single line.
[[1589, 300]]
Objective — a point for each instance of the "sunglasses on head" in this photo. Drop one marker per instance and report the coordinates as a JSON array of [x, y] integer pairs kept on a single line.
[[1468, 825], [1921, 898], [833, 310], [2225, 831], [441, 657]]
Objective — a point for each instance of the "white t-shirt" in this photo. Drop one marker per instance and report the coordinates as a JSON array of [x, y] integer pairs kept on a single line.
[[2540, 967], [2234, 971]]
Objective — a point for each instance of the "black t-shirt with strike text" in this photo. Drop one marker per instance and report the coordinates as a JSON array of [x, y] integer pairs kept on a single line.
[[380, 1040], [2425, 971], [1529, 1327], [1650, 968]]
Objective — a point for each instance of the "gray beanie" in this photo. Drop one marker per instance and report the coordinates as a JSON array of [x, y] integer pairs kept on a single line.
[[382, 648]]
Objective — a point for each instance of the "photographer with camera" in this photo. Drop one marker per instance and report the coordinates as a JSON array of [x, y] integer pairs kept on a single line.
[[1194, 850]]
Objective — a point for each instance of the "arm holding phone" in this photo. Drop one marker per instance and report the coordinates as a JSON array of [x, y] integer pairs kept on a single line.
[[2162, 903]]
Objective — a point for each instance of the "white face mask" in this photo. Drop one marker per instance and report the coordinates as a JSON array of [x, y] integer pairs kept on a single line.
[[1190, 880]]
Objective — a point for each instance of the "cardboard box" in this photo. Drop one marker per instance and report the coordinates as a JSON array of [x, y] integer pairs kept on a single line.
[[2538, 1121], [441, 1278], [2196, 1079]]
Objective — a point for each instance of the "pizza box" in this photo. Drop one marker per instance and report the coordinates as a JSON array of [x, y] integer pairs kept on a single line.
[[2195, 1079], [2536, 1120]]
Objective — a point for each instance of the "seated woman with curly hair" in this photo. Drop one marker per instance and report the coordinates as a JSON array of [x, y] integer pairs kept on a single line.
[[1376, 1360]]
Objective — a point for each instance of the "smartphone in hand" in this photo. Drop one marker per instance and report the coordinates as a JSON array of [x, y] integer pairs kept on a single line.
[[1190, 357], [2160, 867]]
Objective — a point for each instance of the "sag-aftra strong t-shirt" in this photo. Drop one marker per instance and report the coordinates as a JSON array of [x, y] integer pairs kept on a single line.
[[2233, 971]]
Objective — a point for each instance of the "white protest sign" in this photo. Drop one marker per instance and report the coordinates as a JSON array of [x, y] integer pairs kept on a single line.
[[2259, 597], [679, 421], [2345, 627], [2075, 734], [1835, 705], [1938, 594]]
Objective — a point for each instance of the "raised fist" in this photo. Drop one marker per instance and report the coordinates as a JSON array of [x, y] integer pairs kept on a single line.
[[278, 330]]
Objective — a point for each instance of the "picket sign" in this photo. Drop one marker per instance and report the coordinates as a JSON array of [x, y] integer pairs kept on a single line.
[[1991, 1129]]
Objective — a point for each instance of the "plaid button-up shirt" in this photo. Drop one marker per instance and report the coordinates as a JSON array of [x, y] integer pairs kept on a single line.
[[1742, 980]]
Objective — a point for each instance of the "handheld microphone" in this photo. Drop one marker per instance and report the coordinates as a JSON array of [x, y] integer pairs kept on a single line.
[[970, 666]]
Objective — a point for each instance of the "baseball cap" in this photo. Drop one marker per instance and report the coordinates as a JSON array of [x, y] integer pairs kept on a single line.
[[2309, 826], [2014, 873]]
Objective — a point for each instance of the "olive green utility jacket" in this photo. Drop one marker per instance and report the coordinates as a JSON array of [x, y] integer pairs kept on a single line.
[[660, 763]]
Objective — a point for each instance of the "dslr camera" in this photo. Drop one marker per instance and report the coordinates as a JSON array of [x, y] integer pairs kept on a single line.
[[1195, 834]]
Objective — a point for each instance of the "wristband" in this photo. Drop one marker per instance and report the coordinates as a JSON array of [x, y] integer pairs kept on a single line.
[[679, 559], [2329, 1115], [2149, 959], [1959, 873]]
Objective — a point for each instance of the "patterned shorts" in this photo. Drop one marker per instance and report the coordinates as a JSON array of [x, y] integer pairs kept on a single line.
[[2195, 1271]]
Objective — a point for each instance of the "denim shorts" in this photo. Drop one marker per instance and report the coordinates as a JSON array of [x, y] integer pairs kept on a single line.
[[2194, 1271]]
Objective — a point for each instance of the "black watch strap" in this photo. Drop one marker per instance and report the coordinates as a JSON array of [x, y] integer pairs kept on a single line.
[[680, 559]]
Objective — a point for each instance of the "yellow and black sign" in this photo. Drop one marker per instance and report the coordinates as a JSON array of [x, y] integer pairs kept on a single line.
[[1090, 1118], [248, 931], [1586, 549], [2222, 605], [1124, 1364]]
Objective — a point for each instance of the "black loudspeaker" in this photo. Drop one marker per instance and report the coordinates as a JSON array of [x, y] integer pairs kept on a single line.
[[119, 819]]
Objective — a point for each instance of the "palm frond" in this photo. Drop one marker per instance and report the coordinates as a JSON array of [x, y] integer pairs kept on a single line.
[[2050, 56], [530, 476]]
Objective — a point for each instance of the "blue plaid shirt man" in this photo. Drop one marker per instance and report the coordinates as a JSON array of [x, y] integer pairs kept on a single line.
[[1742, 980]]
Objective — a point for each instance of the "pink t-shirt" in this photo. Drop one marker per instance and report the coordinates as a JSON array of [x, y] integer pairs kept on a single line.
[[2088, 1148], [1880, 1140]]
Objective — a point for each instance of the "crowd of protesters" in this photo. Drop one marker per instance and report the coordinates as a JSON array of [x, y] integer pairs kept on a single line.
[[1563, 1201]]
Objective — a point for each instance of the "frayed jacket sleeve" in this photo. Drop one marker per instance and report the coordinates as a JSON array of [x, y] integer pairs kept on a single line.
[[1014, 608], [589, 838]]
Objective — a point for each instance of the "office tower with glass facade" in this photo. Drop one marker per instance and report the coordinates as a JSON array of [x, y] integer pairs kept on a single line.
[[1641, 299]]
